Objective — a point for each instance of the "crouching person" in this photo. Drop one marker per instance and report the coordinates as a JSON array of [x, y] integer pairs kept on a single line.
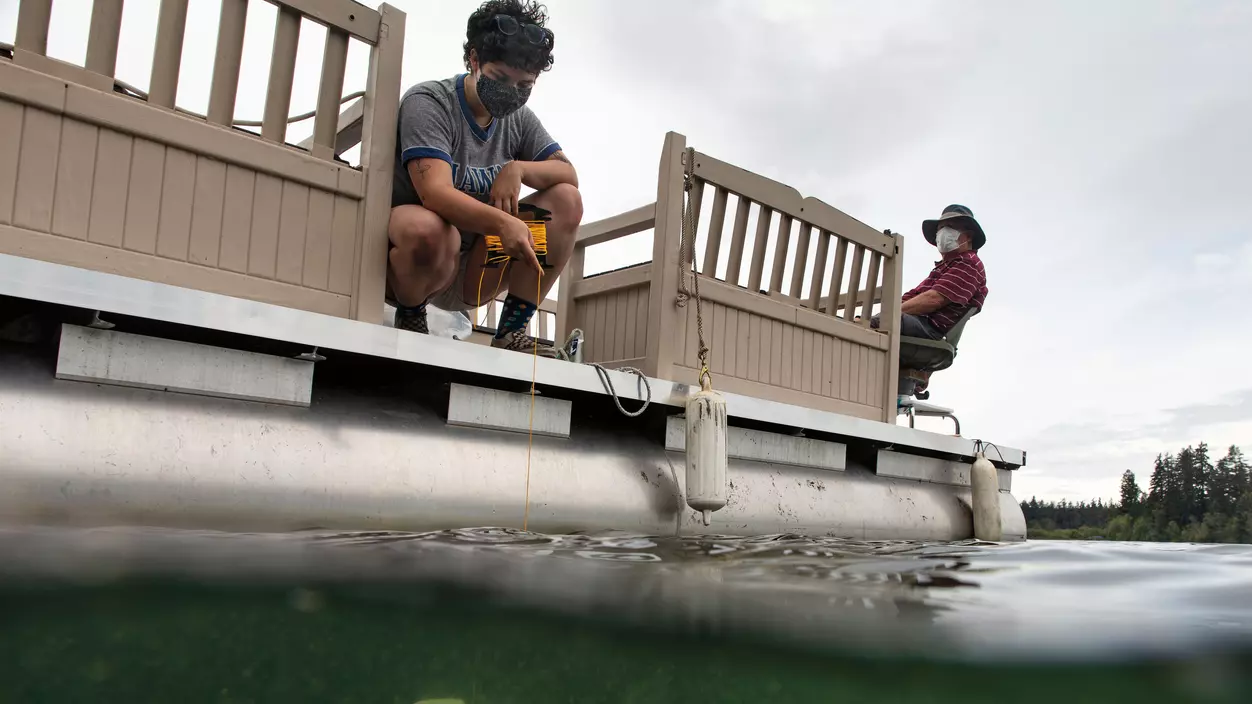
[[465, 147]]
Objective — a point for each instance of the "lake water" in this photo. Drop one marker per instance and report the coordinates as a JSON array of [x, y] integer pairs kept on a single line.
[[495, 615]]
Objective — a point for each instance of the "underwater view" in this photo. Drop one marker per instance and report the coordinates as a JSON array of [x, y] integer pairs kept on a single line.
[[494, 615]]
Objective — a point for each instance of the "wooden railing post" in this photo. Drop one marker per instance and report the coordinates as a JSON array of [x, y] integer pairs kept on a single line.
[[760, 241], [854, 284], [33, 17], [871, 289], [168, 55], [570, 277], [665, 318], [282, 75], [713, 246], [378, 147], [230, 28], [326, 121], [782, 244], [541, 326], [801, 261], [819, 270], [696, 196], [836, 275], [738, 236], [30, 46], [106, 28], [889, 320]]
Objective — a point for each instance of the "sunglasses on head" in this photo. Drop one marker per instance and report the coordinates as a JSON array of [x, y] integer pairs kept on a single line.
[[533, 33]]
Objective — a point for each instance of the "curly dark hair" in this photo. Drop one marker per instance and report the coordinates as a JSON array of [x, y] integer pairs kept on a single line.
[[482, 36]]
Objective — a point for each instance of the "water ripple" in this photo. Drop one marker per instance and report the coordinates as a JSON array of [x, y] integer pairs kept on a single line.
[[1034, 598]]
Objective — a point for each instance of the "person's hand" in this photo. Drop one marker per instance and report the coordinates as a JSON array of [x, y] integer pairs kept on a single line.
[[518, 243], [507, 188]]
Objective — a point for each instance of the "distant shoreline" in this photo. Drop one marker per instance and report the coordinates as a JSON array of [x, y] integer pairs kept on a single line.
[[1190, 500]]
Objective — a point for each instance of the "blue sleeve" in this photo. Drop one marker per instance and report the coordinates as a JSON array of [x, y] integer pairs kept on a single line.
[[536, 143], [425, 129]]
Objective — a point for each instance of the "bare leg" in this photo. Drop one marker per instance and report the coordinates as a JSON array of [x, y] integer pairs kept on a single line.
[[485, 280], [423, 258]]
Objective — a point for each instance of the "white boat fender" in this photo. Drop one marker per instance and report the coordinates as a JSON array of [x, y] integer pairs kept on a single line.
[[985, 490], [706, 450]]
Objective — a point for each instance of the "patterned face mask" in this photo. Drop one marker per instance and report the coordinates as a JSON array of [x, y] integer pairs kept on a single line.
[[500, 98]]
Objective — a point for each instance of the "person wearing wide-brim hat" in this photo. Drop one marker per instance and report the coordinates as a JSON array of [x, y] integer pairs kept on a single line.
[[957, 283], [962, 220]]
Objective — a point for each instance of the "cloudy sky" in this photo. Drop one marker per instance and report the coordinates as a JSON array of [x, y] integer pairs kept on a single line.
[[1104, 147]]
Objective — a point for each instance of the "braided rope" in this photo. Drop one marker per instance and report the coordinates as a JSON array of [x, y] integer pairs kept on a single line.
[[642, 384], [687, 264]]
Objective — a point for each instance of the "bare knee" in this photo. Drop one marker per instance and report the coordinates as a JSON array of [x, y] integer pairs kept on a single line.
[[566, 204], [423, 238]]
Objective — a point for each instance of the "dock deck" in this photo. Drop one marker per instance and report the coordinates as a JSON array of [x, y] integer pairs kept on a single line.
[[375, 449]]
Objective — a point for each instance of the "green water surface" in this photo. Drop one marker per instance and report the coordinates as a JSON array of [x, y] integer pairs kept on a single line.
[[167, 641]]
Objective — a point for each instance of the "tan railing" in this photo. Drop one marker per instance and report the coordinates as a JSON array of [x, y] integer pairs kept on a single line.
[[99, 175], [789, 332], [91, 176]]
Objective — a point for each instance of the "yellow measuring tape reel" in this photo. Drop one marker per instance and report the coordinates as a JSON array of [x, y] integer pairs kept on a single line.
[[536, 221]]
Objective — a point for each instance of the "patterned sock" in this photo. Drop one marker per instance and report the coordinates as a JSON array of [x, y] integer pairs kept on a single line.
[[515, 316]]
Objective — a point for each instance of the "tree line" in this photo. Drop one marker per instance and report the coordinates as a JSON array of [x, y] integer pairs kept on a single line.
[[1190, 498]]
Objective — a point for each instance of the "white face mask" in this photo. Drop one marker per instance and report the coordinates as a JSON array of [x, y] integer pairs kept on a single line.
[[947, 240]]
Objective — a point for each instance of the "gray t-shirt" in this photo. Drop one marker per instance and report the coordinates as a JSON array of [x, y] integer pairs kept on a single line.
[[436, 122]]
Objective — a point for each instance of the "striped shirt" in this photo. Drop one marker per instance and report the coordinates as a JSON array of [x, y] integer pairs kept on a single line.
[[960, 279]]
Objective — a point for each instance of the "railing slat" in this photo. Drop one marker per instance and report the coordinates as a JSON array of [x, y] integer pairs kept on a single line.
[[871, 288], [737, 238], [780, 253], [717, 220], [802, 260], [854, 284], [782, 198], [167, 58], [836, 275], [758, 248], [102, 38], [33, 17], [282, 74], [230, 29], [697, 196], [570, 278], [326, 122], [819, 269]]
